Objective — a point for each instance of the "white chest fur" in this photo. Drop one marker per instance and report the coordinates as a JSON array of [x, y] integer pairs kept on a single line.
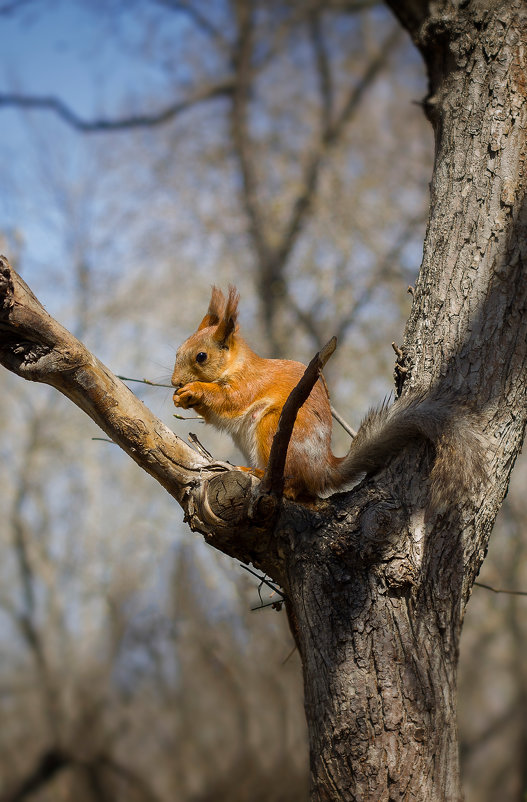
[[242, 429]]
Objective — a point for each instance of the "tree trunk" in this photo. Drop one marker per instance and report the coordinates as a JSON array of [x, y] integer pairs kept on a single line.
[[376, 597], [375, 581], [378, 588]]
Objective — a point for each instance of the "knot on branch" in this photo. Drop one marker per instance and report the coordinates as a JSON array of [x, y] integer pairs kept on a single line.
[[229, 511], [27, 352], [221, 502], [32, 344], [6, 286]]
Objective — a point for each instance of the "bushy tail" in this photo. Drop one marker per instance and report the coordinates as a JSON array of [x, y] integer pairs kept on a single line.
[[384, 433]]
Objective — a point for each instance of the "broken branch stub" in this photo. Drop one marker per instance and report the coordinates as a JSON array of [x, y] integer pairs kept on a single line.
[[273, 479]]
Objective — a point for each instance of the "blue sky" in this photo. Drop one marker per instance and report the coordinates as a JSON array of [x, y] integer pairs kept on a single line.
[[91, 59], [46, 51], [72, 50]]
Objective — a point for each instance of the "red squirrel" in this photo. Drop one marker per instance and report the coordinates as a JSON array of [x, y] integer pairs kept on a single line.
[[239, 392]]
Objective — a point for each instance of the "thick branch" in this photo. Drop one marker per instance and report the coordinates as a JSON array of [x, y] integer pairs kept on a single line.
[[36, 347], [216, 498], [46, 769]]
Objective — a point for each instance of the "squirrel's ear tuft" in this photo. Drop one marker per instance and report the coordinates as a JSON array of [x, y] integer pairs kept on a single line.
[[228, 324], [215, 310]]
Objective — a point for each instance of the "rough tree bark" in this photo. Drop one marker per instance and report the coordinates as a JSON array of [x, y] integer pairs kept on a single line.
[[376, 586]]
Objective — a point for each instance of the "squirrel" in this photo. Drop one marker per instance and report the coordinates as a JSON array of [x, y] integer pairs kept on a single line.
[[231, 387]]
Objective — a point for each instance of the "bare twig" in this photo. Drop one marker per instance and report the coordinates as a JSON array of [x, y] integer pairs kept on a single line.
[[276, 604], [501, 590], [388, 268], [347, 428], [264, 580], [397, 350], [169, 387], [192, 438], [273, 479], [289, 656], [146, 381]]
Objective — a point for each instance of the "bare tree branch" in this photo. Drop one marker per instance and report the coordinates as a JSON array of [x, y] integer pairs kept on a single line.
[[36, 347], [389, 268], [47, 767], [269, 270], [25, 618], [216, 497], [53, 761], [221, 89], [240, 128], [323, 63], [330, 138], [501, 590], [272, 258], [371, 73], [307, 319]]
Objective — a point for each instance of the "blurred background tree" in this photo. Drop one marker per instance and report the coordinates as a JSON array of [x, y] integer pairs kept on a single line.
[[150, 149]]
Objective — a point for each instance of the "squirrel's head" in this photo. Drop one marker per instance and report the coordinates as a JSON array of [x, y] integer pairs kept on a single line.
[[210, 351]]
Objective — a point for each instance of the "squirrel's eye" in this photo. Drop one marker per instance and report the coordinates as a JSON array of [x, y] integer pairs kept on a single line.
[[201, 357]]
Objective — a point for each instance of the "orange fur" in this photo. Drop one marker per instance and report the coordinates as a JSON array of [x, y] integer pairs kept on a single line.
[[238, 391]]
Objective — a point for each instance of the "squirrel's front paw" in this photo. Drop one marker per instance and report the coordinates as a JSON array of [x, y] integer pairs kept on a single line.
[[188, 396]]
